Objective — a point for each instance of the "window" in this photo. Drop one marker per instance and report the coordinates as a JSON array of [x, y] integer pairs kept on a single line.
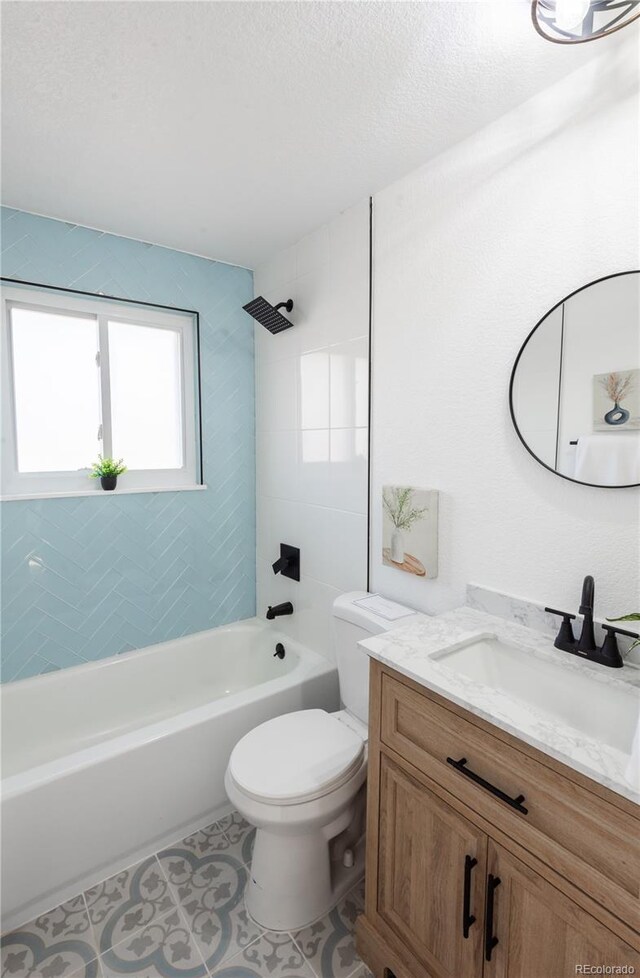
[[84, 376]]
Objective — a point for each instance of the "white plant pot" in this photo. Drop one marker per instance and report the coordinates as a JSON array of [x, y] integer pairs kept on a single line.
[[397, 547]]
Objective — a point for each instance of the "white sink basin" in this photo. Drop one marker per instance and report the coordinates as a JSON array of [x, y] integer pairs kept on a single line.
[[607, 713]]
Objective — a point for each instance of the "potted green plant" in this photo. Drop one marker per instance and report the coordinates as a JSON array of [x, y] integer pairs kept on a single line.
[[633, 616], [107, 470]]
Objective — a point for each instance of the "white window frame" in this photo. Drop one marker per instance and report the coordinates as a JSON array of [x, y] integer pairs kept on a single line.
[[184, 323]]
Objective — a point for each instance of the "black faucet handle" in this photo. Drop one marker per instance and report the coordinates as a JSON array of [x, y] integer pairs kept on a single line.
[[563, 614], [619, 631], [609, 654], [565, 635]]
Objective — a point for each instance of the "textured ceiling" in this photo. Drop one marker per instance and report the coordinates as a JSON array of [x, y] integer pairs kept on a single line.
[[230, 129]]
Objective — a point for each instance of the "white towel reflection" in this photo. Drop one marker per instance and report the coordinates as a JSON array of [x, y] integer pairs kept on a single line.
[[608, 459]]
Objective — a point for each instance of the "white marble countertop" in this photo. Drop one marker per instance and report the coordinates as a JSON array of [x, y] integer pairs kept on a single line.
[[410, 650]]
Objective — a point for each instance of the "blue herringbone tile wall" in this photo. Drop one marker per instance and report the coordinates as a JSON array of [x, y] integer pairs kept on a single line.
[[86, 577]]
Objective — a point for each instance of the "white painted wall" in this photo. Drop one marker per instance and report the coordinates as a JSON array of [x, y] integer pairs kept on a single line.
[[312, 424], [469, 252]]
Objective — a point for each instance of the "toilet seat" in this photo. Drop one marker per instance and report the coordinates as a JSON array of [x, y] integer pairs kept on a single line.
[[296, 758]]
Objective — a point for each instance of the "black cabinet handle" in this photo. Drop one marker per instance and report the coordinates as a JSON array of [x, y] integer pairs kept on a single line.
[[490, 940], [513, 802], [467, 916]]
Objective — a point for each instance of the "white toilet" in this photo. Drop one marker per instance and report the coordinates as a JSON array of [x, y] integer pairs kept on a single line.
[[300, 779]]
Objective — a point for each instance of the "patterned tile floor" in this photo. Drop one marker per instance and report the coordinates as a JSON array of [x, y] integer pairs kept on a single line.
[[181, 914]]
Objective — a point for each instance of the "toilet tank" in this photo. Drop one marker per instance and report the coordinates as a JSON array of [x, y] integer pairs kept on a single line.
[[351, 624]]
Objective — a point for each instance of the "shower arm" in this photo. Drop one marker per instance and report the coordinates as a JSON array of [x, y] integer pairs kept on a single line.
[[288, 305]]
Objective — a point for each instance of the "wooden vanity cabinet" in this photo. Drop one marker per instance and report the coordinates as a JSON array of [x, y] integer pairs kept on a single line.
[[462, 884], [427, 852], [541, 932]]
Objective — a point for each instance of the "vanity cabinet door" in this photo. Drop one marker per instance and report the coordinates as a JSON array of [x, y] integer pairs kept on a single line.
[[432, 866], [537, 931]]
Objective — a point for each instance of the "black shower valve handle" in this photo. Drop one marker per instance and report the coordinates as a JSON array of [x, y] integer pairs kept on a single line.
[[288, 563], [281, 564]]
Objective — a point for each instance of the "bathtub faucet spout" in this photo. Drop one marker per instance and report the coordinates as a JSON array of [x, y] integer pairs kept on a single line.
[[286, 608]]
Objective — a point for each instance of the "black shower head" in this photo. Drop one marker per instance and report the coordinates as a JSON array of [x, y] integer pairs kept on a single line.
[[268, 315]]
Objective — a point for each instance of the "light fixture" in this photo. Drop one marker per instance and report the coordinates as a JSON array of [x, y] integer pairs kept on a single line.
[[570, 14], [577, 21]]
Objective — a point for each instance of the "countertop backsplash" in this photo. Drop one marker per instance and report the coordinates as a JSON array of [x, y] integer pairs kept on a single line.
[[531, 614]]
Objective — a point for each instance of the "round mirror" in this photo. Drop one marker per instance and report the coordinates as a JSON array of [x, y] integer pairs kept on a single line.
[[575, 386]]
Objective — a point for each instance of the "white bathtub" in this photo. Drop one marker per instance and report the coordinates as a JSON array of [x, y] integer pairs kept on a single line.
[[105, 763]]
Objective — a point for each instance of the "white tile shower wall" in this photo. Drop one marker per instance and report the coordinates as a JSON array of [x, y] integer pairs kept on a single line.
[[312, 424]]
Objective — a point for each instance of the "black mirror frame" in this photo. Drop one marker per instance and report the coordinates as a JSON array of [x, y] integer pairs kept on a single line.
[[567, 478]]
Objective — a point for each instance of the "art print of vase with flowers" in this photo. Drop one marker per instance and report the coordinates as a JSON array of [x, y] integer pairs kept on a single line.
[[410, 541]]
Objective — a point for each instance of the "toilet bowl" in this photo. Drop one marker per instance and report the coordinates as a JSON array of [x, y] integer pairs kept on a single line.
[[297, 779], [301, 780]]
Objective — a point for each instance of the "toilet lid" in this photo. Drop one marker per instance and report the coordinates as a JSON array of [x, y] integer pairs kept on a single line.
[[296, 757]]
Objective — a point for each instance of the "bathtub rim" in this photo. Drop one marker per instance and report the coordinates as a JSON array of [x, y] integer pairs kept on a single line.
[[310, 664], [55, 675]]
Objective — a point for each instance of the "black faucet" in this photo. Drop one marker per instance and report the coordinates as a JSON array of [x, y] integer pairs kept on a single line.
[[609, 653], [587, 640], [286, 608]]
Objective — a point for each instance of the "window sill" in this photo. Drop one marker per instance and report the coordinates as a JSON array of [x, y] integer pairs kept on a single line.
[[98, 492]]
